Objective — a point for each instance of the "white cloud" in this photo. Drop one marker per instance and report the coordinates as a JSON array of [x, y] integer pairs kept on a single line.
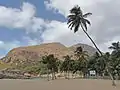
[[30, 41], [21, 18], [9, 45], [1, 56], [63, 7], [105, 22], [58, 32]]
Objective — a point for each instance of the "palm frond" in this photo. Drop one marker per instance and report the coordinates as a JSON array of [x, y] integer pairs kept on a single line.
[[71, 16], [83, 22], [76, 28], [111, 47], [114, 44], [70, 20], [70, 24], [76, 18], [88, 22], [76, 10], [87, 14]]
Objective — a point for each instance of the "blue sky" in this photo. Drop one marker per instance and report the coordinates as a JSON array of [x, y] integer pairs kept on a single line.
[[16, 34], [41, 11], [32, 22]]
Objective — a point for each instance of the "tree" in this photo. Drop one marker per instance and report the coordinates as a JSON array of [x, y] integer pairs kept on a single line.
[[77, 19], [66, 65], [59, 65], [115, 66], [82, 57], [115, 59], [93, 63], [51, 64], [103, 63], [115, 46], [45, 61], [116, 49]]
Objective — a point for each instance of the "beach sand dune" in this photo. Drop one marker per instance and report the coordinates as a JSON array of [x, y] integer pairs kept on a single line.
[[58, 85]]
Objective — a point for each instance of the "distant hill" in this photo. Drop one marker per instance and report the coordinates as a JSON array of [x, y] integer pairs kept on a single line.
[[30, 55]]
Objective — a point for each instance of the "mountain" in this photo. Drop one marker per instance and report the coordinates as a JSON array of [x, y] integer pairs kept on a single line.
[[30, 55]]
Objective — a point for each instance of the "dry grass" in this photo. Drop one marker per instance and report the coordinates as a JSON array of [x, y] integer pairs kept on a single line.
[[4, 65], [58, 85]]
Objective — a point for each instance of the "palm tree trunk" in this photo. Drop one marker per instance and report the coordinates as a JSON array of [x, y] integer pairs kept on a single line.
[[68, 75], [92, 41], [72, 75], [48, 74], [52, 75], [113, 82], [65, 74]]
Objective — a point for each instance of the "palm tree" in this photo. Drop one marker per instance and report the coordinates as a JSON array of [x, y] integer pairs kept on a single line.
[[93, 62], [82, 57], [102, 63], [45, 61], [66, 65], [80, 54], [77, 19], [115, 58], [115, 46], [51, 64], [116, 49]]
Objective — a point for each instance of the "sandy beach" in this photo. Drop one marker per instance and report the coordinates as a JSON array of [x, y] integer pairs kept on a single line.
[[58, 85]]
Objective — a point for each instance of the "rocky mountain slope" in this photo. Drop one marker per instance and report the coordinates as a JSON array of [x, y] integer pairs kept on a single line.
[[32, 54]]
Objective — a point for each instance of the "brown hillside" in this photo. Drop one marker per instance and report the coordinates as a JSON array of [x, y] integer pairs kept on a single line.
[[31, 54]]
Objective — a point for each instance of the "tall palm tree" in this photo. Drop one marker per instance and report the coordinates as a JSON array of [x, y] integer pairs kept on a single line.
[[77, 19]]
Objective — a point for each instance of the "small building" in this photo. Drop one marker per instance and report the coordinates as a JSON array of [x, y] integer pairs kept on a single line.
[[92, 73]]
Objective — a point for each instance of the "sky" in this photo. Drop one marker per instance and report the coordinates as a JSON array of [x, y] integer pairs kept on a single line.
[[32, 22]]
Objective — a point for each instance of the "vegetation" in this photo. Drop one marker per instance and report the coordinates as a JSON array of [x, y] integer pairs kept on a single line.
[[77, 19], [51, 64], [4, 65], [80, 63]]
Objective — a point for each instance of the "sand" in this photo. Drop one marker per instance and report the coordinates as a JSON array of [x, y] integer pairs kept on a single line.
[[58, 85]]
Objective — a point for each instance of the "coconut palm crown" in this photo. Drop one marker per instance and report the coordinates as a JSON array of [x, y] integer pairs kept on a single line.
[[77, 19]]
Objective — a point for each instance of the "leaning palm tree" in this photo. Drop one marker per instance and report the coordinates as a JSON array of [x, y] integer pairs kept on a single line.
[[77, 19]]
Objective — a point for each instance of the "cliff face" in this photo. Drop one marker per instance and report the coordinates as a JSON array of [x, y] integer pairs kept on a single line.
[[32, 54]]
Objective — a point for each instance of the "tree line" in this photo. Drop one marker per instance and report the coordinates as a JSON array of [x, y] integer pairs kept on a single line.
[[83, 63]]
